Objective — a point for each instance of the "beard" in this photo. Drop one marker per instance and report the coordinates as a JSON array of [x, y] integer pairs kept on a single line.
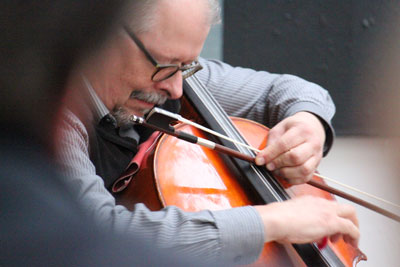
[[122, 115]]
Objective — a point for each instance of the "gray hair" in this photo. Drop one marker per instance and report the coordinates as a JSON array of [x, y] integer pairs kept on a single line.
[[140, 14], [215, 12]]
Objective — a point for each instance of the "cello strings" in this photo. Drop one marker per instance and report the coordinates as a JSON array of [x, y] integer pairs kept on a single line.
[[181, 119]]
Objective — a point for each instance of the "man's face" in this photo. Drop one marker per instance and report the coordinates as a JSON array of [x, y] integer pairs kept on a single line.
[[177, 38]]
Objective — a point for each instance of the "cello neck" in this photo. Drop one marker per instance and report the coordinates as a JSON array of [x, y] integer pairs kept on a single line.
[[261, 181]]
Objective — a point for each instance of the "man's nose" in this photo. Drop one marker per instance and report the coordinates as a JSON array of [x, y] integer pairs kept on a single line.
[[172, 85]]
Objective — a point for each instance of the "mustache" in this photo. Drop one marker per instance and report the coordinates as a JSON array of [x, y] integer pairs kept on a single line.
[[152, 97]]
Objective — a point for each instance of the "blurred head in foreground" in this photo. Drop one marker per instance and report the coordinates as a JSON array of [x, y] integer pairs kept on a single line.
[[41, 223], [41, 41]]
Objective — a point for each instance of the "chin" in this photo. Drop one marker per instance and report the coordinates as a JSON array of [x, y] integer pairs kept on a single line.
[[122, 115]]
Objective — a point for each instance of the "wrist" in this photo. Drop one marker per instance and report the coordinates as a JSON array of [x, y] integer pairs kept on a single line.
[[271, 222]]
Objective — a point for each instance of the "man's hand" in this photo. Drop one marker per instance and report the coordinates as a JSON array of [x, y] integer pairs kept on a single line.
[[294, 148], [309, 219]]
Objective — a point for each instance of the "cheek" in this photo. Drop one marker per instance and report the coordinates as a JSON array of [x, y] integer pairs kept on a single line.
[[133, 76], [136, 79]]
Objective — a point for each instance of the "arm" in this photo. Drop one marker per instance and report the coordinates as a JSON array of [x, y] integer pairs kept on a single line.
[[217, 236], [278, 101], [233, 236]]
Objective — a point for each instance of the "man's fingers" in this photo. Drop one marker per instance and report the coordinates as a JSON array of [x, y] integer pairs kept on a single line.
[[349, 212], [298, 174], [334, 238], [296, 156], [345, 224], [350, 231], [350, 224], [277, 146], [350, 241], [309, 219]]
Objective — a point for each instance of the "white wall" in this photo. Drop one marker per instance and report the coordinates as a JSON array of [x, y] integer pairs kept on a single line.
[[371, 165]]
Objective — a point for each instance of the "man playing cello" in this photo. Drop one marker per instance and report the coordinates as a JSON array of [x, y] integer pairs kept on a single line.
[[142, 66]]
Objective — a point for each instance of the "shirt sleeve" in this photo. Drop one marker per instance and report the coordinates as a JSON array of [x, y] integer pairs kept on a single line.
[[266, 97], [233, 236]]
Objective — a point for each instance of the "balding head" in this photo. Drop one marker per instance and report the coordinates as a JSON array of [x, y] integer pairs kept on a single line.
[[146, 12], [172, 32]]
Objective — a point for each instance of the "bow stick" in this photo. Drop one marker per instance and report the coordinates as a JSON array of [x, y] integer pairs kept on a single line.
[[160, 120]]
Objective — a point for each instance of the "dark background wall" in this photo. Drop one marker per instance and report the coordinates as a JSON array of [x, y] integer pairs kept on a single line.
[[343, 45]]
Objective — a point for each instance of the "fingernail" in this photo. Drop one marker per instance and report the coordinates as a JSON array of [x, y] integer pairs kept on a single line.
[[271, 166], [260, 161]]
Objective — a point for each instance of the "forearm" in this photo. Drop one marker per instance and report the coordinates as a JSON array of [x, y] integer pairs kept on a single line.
[[216, 236]]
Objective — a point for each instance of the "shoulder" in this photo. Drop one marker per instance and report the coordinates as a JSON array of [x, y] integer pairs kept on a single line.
[[69, 118], [71, 129]]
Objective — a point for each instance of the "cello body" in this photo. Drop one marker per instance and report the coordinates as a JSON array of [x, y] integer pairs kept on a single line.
[[196, 178]]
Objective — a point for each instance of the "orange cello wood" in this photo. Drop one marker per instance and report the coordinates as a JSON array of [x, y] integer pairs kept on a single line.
[[349, 255], [196, 178]]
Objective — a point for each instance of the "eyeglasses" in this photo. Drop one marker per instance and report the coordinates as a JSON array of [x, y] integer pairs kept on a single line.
[[165, 71]]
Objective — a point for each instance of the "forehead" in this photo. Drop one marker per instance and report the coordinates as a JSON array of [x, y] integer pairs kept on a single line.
[[179, 31]]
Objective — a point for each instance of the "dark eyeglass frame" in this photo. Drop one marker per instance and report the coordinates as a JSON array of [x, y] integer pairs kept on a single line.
[[187, 70]]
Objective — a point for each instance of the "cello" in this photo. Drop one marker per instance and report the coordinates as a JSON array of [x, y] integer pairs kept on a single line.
[[224, 182]]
